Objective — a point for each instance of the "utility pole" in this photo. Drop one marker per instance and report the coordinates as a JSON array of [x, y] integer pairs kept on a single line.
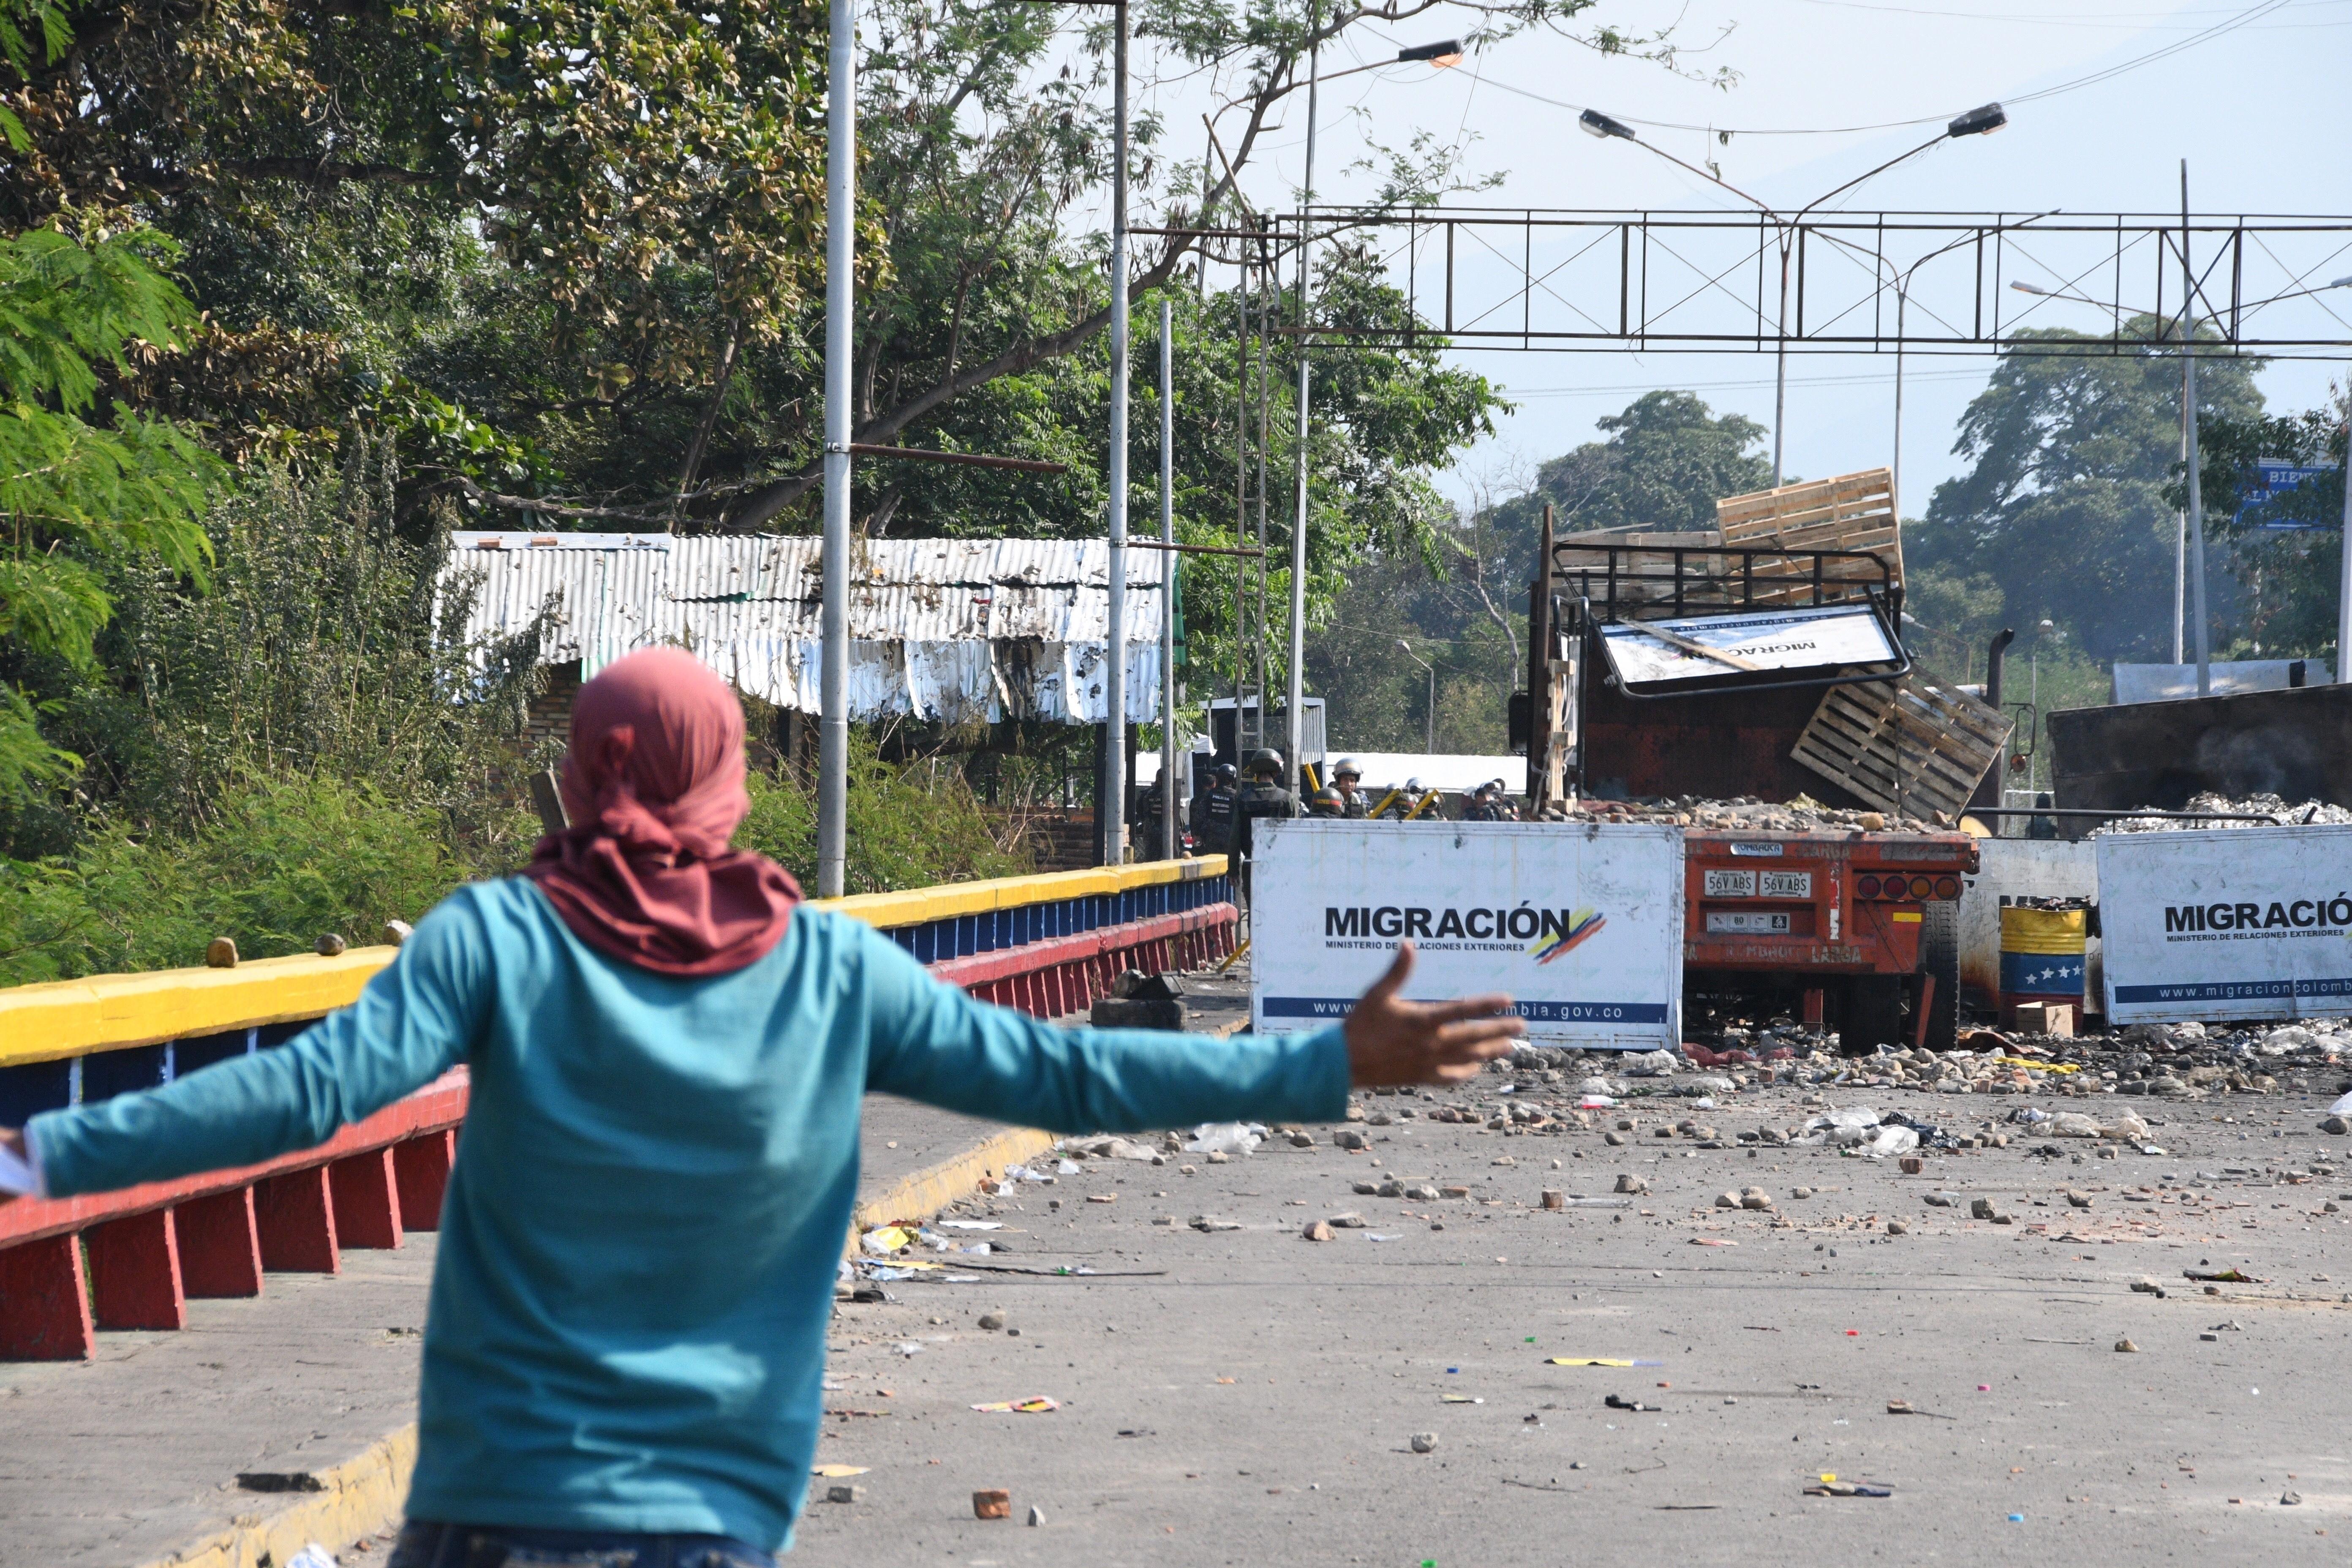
[[2196, 489], [1110, 811], [840, 256], [1167, 577], [1295, 692]]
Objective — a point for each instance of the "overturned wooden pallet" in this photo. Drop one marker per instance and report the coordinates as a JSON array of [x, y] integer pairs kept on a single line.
[[1851, 511], [1908, 747]]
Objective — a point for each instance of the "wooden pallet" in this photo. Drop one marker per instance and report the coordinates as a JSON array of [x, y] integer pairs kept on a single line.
[[1908, 747], [1852, 511]]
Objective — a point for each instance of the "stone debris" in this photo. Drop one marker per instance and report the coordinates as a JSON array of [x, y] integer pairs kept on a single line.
[[991, 1503], [1742, 814], [2309, 811], [1424, 1442], [1318, 1230]]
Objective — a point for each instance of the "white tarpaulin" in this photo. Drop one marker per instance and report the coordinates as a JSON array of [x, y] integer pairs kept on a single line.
[[1582, 924], [1769, 640], [2247, 923]]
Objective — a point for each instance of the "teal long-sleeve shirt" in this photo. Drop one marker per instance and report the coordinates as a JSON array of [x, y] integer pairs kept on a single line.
[[641, 1234]]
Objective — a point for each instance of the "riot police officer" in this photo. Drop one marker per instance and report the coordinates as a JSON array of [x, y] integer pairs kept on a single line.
[[1265, 797], [1347, 783], [1213, 813], [1150, 823]]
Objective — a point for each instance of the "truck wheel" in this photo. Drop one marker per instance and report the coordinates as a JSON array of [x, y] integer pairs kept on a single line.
[[1873, 1015], [1939, 955]]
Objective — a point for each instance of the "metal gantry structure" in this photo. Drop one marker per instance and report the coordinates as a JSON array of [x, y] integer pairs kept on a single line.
[[1556, 281]]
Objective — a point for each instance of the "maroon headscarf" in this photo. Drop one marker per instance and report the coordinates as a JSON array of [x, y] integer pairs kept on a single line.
[[653, 784]]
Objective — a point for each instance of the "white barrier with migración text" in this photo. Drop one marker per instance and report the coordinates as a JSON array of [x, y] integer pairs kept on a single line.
[[2250, 922], [1582, 924]]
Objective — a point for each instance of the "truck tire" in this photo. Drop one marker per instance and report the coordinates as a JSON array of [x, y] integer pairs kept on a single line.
[[1873, 1015], [1939, 956]]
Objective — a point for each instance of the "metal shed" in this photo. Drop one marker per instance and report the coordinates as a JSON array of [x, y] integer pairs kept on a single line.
[[947, 629]]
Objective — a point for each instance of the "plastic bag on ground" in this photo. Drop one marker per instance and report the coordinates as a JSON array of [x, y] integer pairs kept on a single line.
[[2071, 1124], [1225, 1138], [1841, 1129], [1649, 1064], [2129, 1125], [312, 1556], [1892, 1140]]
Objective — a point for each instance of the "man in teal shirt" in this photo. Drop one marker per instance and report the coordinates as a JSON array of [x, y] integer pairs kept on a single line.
[[642, 1227]]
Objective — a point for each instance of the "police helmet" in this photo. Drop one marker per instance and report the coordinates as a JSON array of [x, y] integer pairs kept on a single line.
[[1225, 774], [1346, 768], [1264, 760], [1325, 801], [1413, 786]]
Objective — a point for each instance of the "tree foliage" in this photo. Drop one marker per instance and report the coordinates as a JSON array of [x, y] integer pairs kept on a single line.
[[2063, 511], [79, 491], [2287, 550]]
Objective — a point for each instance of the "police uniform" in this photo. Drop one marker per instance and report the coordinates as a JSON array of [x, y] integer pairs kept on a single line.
[[1213, 816]]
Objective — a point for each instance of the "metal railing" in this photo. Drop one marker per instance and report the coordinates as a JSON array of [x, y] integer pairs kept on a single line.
[[1047, 944]]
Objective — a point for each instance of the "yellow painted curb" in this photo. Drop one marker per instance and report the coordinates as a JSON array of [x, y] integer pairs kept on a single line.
[[922, 1194], [356, 1497]]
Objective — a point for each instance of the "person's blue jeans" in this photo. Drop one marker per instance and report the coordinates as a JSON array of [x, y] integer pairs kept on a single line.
[[427, 1544]]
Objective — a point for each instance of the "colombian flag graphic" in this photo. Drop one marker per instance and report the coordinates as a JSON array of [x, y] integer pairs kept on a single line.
[[1581, 925]]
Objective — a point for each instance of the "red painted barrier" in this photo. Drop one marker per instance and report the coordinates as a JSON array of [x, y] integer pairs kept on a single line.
[[153, 1247]]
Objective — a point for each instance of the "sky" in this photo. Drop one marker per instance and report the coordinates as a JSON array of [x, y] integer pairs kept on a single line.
[[2261, 110]]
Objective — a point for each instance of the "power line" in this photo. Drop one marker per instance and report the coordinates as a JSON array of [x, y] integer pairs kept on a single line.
[[2206, 35], [2137, 21]]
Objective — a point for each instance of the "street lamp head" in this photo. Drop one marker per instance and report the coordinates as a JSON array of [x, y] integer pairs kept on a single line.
[[1445, 53], [2024, 288], [1979, 121], [2344, 282], [1599, 124], [2047, 627]]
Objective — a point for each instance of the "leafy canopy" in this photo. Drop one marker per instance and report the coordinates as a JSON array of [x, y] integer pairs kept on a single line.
[[77, 493]]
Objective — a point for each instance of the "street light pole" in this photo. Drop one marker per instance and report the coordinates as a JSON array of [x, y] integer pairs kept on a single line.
[[1110, 810], [2344, 566], [2188, 413], [1428, 738], [1168, 578], [1294, 690], [840, 219], [1981, 122]]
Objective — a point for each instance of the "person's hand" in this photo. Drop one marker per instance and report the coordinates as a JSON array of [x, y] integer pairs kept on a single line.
[[1392, 1041]]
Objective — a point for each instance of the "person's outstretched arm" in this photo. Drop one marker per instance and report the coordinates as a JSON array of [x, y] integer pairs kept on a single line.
[[410, 1024], [933, 1042]]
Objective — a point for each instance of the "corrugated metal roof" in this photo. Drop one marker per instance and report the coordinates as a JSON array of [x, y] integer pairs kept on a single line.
[[947, 628]]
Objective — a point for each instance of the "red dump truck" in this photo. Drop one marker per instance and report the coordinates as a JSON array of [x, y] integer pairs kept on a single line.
[[1856, 931], [1763, 662]]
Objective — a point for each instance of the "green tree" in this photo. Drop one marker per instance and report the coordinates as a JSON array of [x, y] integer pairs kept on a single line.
[[2287, 551], [2064, 505], [81, 487], [1668, 460], [1461, 598]]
